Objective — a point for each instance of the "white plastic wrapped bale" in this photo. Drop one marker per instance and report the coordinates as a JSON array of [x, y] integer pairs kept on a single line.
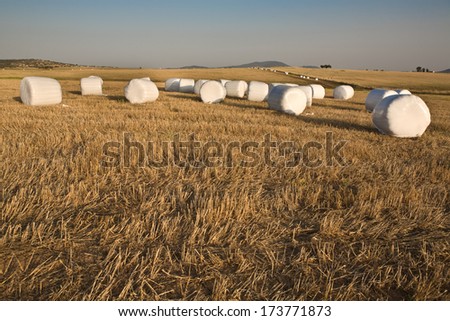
[[377, 95], [212, 92], [403, 92], [173, 84], [290, 100], [224, 81], [258, 91], [402, 116], [273, 85], [309, 94], [40, 91], [187, 85], [139, 91], [318, 91], [236, 89], [91, 85], [343, 92], [198, 85]]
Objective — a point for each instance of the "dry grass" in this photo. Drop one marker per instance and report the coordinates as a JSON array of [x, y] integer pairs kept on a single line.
[[438, 83], [72, 230]]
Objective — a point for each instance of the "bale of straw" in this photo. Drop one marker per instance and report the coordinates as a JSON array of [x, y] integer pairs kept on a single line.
[[401, 116], [343, 92], [198, 85], [403, 92], [173, 84], [275, 84], [212, 92], [224, 81], [91, 85], [377, 95], [258, 91], [40, 91], [287, 99], [139, 91], [309, 94], [187, 85], [236, 89], [318, 91]]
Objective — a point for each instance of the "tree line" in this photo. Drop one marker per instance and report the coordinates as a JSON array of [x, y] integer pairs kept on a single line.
[[422, 69]]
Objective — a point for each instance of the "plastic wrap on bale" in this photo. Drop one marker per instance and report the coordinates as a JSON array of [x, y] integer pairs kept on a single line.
[[198, 85], [212, 92], [318, 91], [91, 85], [40, 91], [343, 92], [377, 95], [236, 88], [186, 85], [403, 92], [286, 99], [404, 116], [140, 91], [258, 91], [309, 94], [173, 85]]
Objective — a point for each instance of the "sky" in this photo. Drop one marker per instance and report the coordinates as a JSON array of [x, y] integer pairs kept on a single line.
[[390, 35]]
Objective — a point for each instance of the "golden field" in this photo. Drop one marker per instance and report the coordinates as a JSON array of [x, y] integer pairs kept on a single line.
[[376, 228]]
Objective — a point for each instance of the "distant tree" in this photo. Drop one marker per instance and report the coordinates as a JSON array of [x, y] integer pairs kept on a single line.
[[419, 69], [325, 66], [427, 70]]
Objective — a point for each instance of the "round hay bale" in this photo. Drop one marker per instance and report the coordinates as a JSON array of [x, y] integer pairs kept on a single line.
[[139, 91], [258, 91], [224, 81], [212, 92], [318, 91], [309, 94], [91, 85], [187, 85], [343, 92], [173, 84], [40, 91], [375, 96], [146, 78], [401, 116], [403, 92], [290, 100], [198, 85], [237, 88], [273, 85]]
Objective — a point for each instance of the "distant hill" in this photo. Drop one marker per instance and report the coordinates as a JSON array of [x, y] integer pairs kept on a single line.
[[32, 63], [262, 64], [446, 71], [311, 67], [193, 67]]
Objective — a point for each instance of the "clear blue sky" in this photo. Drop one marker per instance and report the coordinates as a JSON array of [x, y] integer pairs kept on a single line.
[[397, 34]]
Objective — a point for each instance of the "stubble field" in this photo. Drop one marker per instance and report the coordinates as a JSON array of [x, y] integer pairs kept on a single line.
[[374, 228]]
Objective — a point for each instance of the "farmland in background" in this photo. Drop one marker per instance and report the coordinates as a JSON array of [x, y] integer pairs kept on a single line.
[[377, 228]]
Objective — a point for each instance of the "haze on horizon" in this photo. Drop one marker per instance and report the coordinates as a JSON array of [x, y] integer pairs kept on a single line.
[[391, 35]]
